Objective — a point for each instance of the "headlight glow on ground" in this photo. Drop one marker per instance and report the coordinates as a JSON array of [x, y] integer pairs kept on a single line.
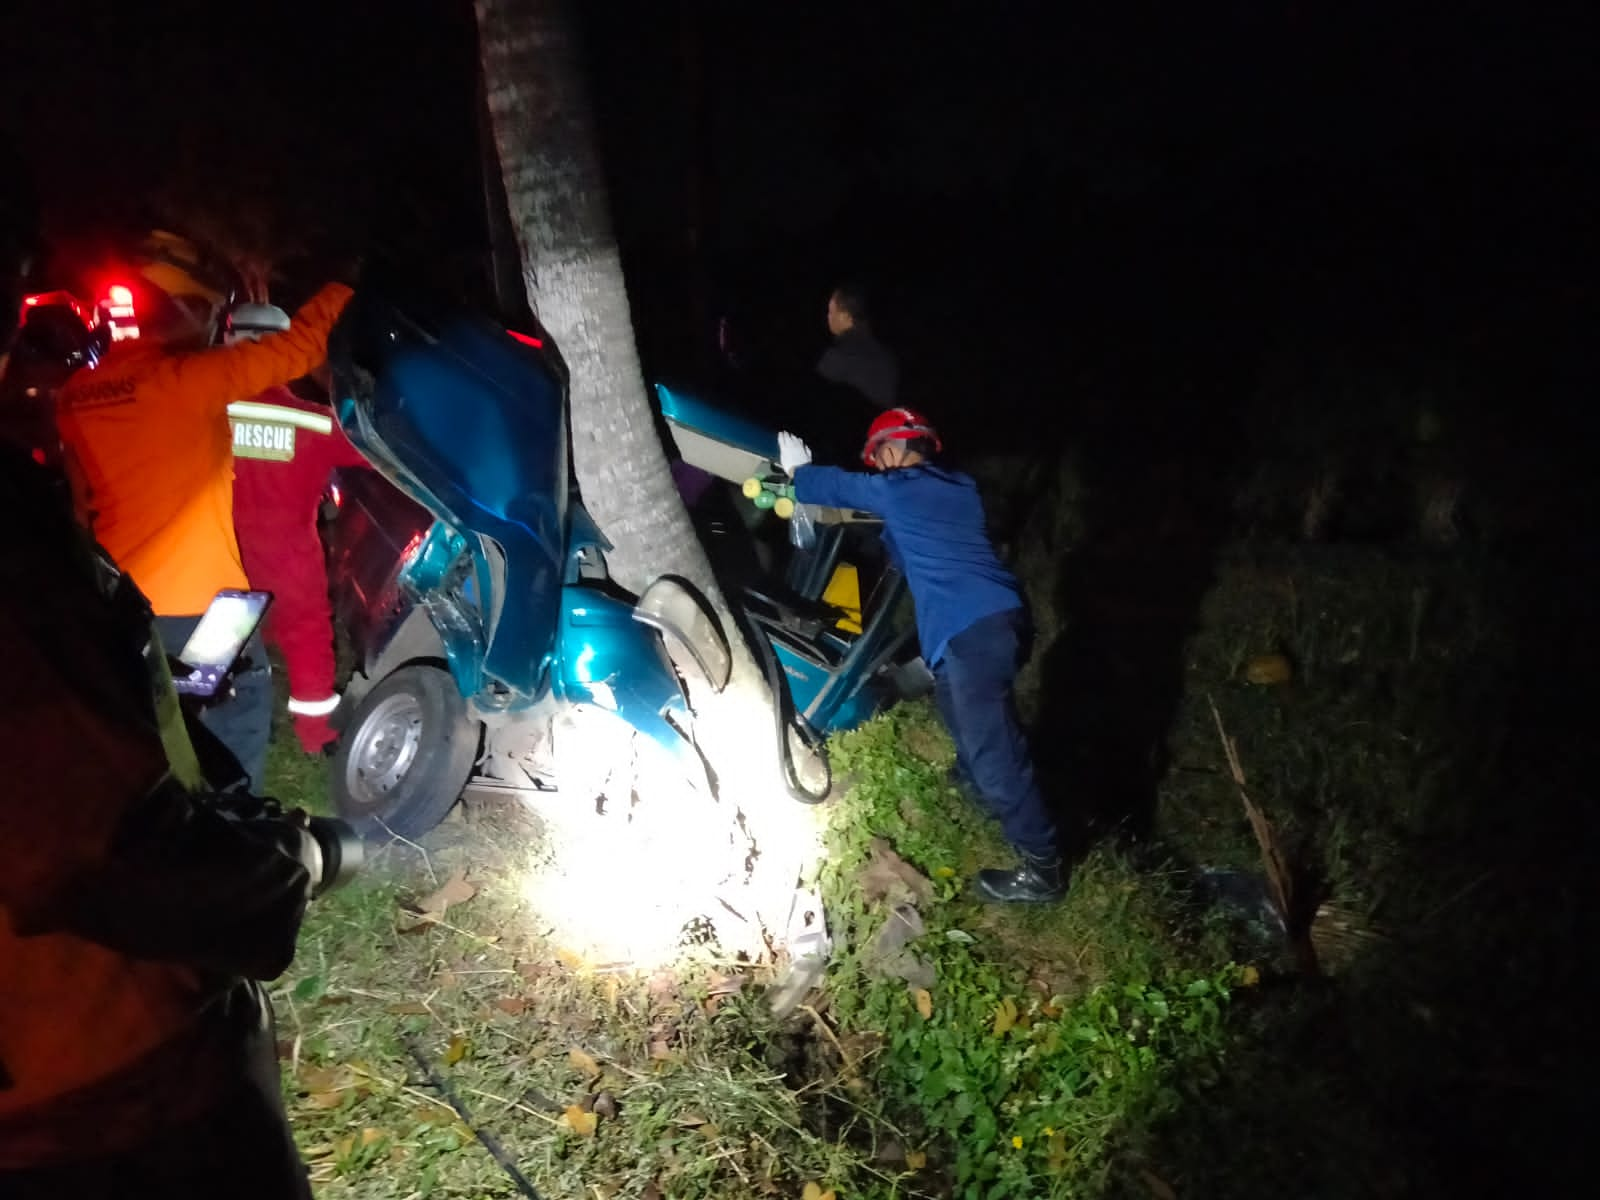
[[633, 860]]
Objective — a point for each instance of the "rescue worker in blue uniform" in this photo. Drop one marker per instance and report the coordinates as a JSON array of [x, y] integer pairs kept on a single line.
[[971, 621]]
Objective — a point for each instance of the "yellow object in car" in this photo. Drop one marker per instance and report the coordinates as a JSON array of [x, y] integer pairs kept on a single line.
[[844, 593]]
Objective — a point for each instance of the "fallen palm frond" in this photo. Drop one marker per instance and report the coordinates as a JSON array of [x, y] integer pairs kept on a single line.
[[1280, 878]]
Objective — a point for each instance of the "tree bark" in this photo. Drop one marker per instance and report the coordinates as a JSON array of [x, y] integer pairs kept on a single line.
[[555, 191]]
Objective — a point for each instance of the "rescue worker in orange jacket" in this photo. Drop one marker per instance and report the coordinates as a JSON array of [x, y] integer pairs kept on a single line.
[[135, 1059], [150, 453], [285, 449]]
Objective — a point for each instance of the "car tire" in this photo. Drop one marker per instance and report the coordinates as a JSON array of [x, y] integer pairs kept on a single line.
[[405, 755]]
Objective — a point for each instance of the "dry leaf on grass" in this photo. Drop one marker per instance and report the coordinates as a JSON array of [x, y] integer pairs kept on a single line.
[[455, 890], [1058, 1151], [916, 1159], [924, 1003], [725, 985], [813, 1191], [580, 1122], [1005, 1016], [1159, 1187], [327, 1087], [583, 1063], [886, 873], [512, 1006], [651, 1192], [325, 1079], [690, 1120], [408, 1008], [456, 1050], [1268, 669]]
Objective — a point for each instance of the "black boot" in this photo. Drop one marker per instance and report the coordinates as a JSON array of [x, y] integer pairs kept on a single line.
[[1035, 881]]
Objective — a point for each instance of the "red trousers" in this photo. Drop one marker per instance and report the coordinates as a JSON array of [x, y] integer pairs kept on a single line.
[[285, 451]]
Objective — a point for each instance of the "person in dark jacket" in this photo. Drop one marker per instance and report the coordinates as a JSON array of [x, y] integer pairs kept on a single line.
[[137, 1055], [971, 622], [857, 359]]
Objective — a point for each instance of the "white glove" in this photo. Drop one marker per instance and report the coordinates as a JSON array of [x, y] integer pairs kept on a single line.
[[792, 453]]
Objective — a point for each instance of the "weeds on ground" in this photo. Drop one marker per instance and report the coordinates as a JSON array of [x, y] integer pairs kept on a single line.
[[1384, 762], [1046, 1041], [1106, 1045], [593, 1084], [1044, 1045]]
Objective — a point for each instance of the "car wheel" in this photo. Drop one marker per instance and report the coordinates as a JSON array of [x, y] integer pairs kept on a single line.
[[405, 755]]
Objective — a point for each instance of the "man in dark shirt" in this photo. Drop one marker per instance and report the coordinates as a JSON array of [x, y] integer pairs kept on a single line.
[[857, 359]]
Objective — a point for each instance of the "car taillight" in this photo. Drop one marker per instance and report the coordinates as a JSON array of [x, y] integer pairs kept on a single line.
[[526, 340], [119, 295], [59, 298], [410, 552]]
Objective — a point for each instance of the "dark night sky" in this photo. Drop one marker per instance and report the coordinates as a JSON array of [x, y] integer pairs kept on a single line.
[[989, 175], [807, 108]]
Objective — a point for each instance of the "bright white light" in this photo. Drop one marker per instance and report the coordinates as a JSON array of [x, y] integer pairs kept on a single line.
[[632, 854]]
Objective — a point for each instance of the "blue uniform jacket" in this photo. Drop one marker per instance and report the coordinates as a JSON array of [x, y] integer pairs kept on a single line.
[[934, 531]]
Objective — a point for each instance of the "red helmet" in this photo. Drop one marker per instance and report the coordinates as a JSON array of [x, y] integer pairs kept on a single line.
[[898, 425]]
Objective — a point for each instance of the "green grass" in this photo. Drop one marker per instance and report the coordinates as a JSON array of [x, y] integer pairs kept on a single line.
[[520, 1036], [1122, 1043], [1052, 1038], [1065, 1029]]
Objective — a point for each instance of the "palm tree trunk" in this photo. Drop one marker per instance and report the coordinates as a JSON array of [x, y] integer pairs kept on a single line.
[[555, 191]]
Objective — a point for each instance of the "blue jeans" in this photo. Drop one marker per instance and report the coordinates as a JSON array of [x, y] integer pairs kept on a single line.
[[973, 687], [243, 721]]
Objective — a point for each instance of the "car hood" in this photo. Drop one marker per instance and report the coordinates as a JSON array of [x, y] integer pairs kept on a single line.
[[470, 420]]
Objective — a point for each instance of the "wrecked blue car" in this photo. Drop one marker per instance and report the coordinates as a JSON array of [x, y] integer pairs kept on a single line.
[[492, 650]]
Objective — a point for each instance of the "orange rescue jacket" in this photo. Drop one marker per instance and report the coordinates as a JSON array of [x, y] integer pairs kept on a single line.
[[150, 452]]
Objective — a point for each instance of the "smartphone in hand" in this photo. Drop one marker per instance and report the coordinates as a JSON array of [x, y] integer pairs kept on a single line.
[[217, 641]]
